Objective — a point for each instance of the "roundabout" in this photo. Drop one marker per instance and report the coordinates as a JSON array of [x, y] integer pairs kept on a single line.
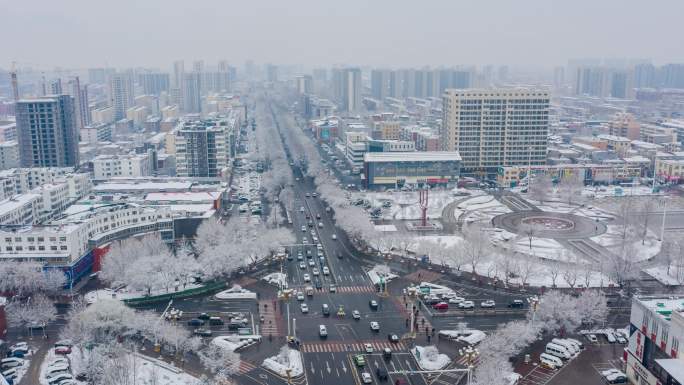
[[549, 225]]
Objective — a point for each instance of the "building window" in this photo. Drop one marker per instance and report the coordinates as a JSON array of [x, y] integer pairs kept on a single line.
[[8, 248], [53, 239], [41, 248], [53, 248], [62, 247], [62, 239]]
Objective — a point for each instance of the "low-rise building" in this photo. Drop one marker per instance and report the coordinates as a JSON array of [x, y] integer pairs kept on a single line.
[[129, 165], [669, 170], [97, 132], [9, 154], [411, 168]]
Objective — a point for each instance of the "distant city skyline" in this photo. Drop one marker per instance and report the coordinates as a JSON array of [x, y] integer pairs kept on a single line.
[[81, 34]]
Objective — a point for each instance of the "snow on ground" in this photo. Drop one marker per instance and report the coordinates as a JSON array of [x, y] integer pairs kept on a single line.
[[541, 247], [147, 370], [612, 239], [444, 240], [276, 279], [236, 292], [125, 293], [233, 342], [614, 191], [540, 275], [480, 208], [469, 336], [660, 273], [386, 228], [21, 370], [380, 271], [429, 358], [280, 363], [405, 203]]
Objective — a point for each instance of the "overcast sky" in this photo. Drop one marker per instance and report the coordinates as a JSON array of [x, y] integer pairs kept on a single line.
[[85, 33]]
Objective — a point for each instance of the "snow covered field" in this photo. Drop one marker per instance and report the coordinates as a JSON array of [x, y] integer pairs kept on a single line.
[[613, 240], [122, 294], [429, 358], [234, 342], [276, 279], [405, 203], [236, 292], [661, 274], [287, 360]]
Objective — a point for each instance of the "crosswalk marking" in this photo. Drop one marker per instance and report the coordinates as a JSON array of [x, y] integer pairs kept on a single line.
[[270, 324], [334, 347], [246, 367], [538, 376], [356, 289]]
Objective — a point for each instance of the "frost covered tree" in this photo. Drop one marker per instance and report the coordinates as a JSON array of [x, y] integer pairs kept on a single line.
[[571, 187], [476, 245], [221, 362], [35, 310], [26, 278], [540, 188]]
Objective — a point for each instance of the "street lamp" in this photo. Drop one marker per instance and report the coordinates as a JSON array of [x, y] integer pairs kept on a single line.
[[662, 226], [470, 355]]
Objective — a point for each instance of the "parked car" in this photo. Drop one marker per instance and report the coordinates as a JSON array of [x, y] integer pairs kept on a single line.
[[592, 338], [63, 350]]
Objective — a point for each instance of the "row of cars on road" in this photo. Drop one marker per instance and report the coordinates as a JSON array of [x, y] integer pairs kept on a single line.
[[235, 322]]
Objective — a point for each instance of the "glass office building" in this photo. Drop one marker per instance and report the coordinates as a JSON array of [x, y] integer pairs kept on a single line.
[[414, 169]]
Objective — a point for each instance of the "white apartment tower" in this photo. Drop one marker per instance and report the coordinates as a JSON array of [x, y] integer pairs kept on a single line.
[[122, 94], [496, 127]]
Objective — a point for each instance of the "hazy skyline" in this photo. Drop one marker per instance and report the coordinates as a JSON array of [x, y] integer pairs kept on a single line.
[[123, 33]]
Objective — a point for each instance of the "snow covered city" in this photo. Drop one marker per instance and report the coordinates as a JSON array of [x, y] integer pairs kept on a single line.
[[327, 192]]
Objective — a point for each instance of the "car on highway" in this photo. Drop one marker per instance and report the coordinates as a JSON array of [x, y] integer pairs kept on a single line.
[[303, 228], [320, 225], [301, 209], [375, 326], [368, 348], [305, 308], [356, 315], [339, 255], [202, 332], [455, 300], [334, 237], [322, 331], [302, 265], [300, 257], [318, 284], [333, 288], [488, 303], [196, 322], [300, 296], [466, 305], [393, 338], [319, 246], [312, 263], [326, 271], [307, 195], [516, 304], [373, 304], [441, 306], [387, 353], [314, 195], [359, 360], [315, 271], [314, 239], [382, 374], [366, 378], [325, 309], [318, 215], [307, 278]]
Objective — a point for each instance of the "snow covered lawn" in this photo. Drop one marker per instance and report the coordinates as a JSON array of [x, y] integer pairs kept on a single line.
[[429, 358], [236, 292], [287, 359], [122, 294], [276, 279], [234, 342], [469, 336], [660, 274], [612, 239], [380, 271]]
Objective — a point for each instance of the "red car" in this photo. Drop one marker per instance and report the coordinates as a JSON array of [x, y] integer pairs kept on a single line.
[[441, 306], [63, 350]]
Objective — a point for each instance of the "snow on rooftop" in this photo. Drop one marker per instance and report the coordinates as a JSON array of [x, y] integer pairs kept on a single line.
[[159, 186], [674, 367], [417, 156], [663, 306], [187, 196]]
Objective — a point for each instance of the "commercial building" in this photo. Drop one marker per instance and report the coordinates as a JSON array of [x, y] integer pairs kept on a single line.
[[624, 124], [121, 92], [396, 169], [387, 130], [130, 165], [47, 132], [202, 147], [669, 170], [496, 127], [656, 330], [355, 148]]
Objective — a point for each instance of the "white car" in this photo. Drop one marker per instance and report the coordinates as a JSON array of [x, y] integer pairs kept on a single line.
[[366, 378], [302, 265], [368, 348], [488, 303], [608, 372], [307, 278], [356, 314], [312, 263], [305, 308], [315, 272], [375, 326], [326, 271], [300, 296], [456, 300], [466, 305], [304, 229], [334, 236]]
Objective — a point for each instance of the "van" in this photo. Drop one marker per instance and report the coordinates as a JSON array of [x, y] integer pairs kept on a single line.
[[549, 361], [557, 350], [322, 331], [569, 346], [576, 342]]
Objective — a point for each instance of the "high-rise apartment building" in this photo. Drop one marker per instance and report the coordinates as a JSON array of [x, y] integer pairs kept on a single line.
[[121, 92], [202, 148], [380, 83], [154, 83], [496, 127], [178, 72], [47, 132], [192, 92], [347, 88], [304, 84], [80, 95]]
